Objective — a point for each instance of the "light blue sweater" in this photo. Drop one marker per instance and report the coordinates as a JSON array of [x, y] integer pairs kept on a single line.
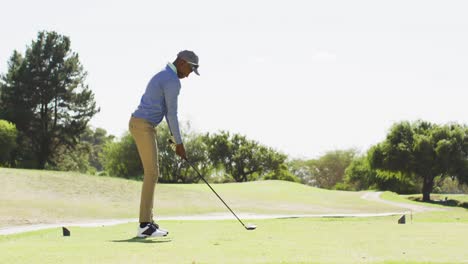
[[160, 100]]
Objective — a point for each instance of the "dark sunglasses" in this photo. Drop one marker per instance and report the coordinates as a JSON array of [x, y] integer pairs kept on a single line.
[[194, 67]]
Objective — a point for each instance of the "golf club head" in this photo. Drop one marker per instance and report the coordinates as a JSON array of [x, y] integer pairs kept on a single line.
[[250, 227]]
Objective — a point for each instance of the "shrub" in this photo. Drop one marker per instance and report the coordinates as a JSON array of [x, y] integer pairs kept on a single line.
[[8, 135], [121, 158]]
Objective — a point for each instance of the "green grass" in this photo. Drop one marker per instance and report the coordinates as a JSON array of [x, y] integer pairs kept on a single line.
[[435, 197], [391, 196], [369, 240], [448, 215], [32, 196], [455, 200], [441, 197]]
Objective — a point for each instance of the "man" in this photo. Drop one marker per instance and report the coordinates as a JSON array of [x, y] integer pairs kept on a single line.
[[158, 101]]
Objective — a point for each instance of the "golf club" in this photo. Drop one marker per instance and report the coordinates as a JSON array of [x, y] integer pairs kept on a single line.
[[248, 226]]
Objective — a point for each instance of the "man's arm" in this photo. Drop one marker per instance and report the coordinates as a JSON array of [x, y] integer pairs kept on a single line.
[[171, 94]]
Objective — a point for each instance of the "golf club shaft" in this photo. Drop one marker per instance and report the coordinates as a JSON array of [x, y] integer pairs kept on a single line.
[[193, 167]]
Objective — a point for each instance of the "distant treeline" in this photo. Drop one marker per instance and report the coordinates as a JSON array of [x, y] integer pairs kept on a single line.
[[45, 108]]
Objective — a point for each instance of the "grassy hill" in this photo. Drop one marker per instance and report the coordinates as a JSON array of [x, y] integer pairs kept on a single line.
[[42, 196], [33, 196]]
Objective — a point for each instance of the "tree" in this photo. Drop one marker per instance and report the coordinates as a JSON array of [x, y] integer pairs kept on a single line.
[[96, 140], [121, 158], [197, 153], [449, 185], [300, 169], [275, 166], [282, 174], [44, 94], [423, 150], [76, 159], [169, 163], [172, 168], [330, 168], [86, 156], [326, 171], [360, 176], [241, 158], [8, 136]]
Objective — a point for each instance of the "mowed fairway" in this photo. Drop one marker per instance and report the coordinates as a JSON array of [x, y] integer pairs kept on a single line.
[[30, 196], [369, 240]]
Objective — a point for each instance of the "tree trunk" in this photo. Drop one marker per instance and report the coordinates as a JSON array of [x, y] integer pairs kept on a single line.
[[428, 184], [41, 161]]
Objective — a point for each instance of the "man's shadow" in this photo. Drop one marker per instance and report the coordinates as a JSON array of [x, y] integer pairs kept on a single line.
[[143, 240]]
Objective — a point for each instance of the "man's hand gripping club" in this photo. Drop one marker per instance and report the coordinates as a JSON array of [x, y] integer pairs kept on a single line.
[[179, 149]]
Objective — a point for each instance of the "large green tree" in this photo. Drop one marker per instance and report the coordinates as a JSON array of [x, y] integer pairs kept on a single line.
[[330, 168], [44, 94], [424, 150], [325, 172], [241, 158], [86, 156], [360, 176]]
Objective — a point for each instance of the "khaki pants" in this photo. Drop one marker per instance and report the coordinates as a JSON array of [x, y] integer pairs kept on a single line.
[[145, 138]]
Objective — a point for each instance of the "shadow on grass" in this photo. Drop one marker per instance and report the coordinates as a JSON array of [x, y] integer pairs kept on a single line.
[[142, 240], [445, 202]]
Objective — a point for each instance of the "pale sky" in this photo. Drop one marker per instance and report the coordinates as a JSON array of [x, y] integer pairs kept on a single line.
[[302, 77]]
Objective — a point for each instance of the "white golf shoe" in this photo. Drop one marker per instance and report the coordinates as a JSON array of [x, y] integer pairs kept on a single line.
[[151, 230]]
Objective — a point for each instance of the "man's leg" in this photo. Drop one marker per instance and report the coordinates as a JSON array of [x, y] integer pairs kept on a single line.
[[145, 138]]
